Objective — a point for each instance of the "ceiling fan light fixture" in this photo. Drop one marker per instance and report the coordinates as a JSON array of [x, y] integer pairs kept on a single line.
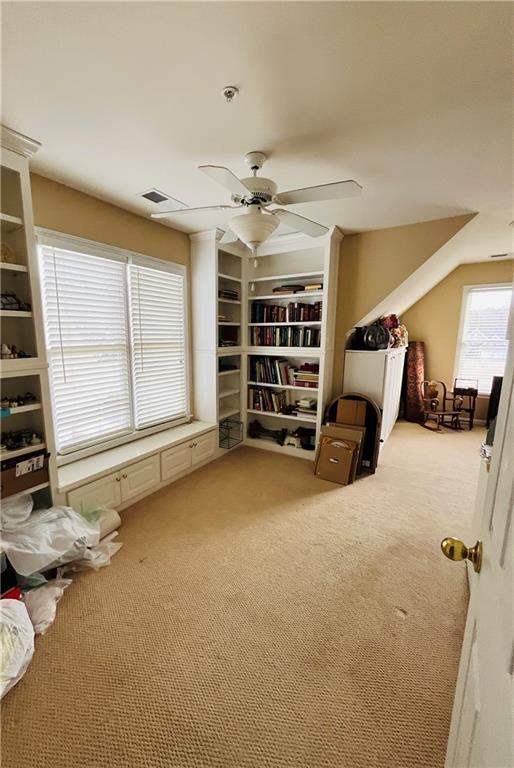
[[254, 227]]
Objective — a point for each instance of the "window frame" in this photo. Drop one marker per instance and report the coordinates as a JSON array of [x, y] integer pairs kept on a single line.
[[53, 239], [466, 290]]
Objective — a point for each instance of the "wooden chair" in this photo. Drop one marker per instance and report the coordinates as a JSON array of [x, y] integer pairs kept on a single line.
[[438, 406]]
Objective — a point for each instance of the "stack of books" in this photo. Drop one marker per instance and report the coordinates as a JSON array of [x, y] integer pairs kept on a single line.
[[307, 406], [294, 312], [307, 376], [227, 293], [313, 287], [291, 336], [290, 288]]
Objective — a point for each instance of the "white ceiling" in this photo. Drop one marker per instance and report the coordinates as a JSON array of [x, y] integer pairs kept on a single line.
[[412, 100]]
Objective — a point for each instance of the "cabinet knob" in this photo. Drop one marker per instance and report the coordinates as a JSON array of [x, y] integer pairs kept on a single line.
[[118, 479], [124, 477]]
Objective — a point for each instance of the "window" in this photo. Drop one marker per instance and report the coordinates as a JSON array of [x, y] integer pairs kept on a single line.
[[482, 346], [115, 326]]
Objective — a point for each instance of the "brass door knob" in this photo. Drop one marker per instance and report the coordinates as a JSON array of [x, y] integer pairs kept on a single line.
[[455, 549]]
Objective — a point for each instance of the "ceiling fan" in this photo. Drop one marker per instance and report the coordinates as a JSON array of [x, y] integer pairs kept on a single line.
[[256, 194]]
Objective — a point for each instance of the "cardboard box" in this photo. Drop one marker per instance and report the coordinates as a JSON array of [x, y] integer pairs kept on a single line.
[[334, 459], [19, 475], [351, 412], [354, 433]]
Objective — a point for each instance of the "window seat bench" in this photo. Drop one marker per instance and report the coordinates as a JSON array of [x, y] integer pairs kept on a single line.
[[120, 476]]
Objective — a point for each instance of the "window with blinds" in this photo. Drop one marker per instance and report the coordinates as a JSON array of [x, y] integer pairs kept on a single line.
[[115, 327], [482, 347]]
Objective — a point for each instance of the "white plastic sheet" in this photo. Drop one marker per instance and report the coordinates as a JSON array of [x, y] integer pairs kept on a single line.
[[16, 511], [49, 538], [41, 603], [16, 643], [96, 557]]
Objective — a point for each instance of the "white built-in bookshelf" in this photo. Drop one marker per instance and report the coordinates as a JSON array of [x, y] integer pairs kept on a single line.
[[263, 335], [21, 328]]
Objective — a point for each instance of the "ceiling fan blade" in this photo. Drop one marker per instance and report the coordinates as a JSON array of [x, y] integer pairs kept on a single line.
[[304, 225], [226, 178], [161, 214], [336, 191], [229, 236]]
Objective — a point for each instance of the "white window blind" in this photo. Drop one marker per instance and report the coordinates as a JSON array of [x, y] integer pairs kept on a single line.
[[86, 331], [115, 326], [482, 349], [158, 345]]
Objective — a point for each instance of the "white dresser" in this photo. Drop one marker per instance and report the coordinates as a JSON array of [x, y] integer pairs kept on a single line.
[[377, 375]]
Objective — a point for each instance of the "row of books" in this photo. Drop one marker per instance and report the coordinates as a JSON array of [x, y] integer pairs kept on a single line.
[[270, 400], [291, 336], [294, 312], [271, 370], [278, 370], [275, 401]]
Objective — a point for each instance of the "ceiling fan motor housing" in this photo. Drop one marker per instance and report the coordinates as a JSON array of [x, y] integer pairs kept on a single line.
[[262, 191]]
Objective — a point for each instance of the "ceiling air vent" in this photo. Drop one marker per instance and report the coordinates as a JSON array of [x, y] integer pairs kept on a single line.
[[154, 196]]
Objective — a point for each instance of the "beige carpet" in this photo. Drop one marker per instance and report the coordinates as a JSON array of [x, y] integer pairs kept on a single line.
[[259, 617]]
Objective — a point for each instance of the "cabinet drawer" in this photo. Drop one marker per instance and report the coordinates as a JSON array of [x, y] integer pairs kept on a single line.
[[139, 478], [105, 492], [203, 447], [175, 461]]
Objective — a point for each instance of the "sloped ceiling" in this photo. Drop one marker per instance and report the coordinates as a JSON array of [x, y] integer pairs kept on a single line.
[[410, 99]]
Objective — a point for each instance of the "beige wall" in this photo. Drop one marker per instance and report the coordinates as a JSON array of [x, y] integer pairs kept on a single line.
[[435, 318], [64, 209], [373, 263]]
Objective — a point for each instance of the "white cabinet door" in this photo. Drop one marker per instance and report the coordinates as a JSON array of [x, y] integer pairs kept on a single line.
[[105, 492], [138, 479], [175, 461], [203, 447]]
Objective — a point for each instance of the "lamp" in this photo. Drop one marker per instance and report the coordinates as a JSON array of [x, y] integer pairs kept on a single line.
[[253, 227]]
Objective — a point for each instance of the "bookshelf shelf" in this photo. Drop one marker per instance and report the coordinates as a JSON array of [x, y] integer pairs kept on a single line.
[[224, 322], [285, 351], [225, 414], [21, 451], [225, 351], [286, 450], [282, 386], [229, 373], [34, 488], [14, 313], [291, 276], [6, 267], [222, 276], [21, 409], [285, 296], [228, 393], [287, 416], [307, 322], [228, 301], [10, 223]]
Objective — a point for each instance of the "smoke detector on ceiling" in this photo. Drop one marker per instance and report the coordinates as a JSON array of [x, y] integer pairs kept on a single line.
[[157, 197]]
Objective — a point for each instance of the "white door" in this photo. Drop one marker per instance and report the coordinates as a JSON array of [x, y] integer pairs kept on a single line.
[[481, 732], [100, 493], [137, 479]]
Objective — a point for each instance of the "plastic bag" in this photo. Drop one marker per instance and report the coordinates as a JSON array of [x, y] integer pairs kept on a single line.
[[50, 537], [95, 557], [16, 643], [41, 603], [107, 519], [16, 511]]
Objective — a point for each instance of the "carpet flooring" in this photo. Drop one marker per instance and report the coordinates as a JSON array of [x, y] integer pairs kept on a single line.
[[257, 616]]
